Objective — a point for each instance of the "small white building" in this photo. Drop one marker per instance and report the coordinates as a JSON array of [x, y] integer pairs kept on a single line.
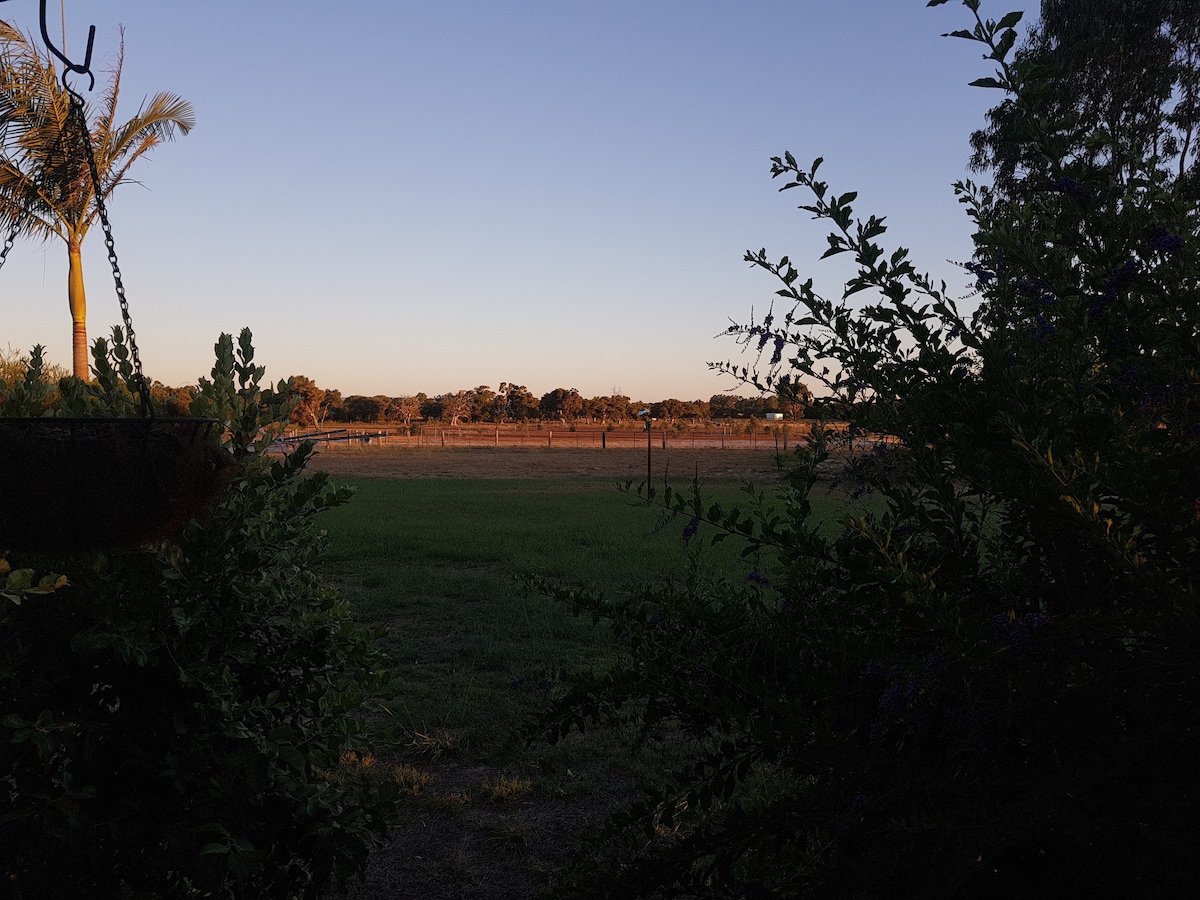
[[774, 416]]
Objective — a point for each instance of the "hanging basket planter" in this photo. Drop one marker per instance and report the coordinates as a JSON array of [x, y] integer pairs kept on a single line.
[[88, 484]]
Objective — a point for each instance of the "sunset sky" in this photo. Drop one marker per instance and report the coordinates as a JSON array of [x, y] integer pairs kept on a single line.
[[429, 196]]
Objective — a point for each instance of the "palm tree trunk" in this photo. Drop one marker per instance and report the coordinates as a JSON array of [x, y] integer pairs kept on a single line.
[[78, 303]]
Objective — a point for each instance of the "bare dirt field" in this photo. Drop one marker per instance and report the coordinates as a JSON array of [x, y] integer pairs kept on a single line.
[[619, 464]]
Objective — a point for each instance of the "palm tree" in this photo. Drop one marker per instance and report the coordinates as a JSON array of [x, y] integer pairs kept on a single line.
[[44, 175]]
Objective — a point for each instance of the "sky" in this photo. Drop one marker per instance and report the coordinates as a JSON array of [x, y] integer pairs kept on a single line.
[[399, 196]]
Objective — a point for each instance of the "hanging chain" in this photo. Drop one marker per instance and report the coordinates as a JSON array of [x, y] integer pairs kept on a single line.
[[86, 137], [18, 221], [12, 236]]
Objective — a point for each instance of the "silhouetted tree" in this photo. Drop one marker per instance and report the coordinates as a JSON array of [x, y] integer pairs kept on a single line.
[[1124, 82], [561, 403], [363, 409]]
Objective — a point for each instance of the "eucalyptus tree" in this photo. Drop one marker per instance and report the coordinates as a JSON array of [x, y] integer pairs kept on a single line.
[[45, 182], [1122, 78]]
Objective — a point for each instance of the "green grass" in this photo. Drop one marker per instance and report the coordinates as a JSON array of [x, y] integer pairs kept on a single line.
[[441, 562]]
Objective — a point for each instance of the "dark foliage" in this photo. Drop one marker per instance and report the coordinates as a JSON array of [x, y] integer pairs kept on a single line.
[[1121, 84], [985, 682], [173, 718]]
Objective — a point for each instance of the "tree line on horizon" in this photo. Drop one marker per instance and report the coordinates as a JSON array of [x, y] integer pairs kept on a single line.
[[509, 403], [515, 403]]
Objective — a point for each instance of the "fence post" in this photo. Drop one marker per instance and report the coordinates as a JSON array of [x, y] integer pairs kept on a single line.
[[649, 444], [603, 440], [550, 437], [443, 436]]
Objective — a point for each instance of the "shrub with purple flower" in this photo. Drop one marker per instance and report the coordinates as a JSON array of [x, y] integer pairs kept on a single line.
[[997, 640], [690, 529]]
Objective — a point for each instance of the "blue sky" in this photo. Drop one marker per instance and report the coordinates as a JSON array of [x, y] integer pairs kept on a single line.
[[428, 196]]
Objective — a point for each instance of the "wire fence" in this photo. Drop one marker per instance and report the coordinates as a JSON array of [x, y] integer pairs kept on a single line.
[[776, 438]]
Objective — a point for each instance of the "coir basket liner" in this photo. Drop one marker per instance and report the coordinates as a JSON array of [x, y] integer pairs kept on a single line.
[[85, 484]]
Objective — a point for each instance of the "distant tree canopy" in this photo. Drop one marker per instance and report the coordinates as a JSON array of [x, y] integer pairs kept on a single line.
[[515, 403], [561, 403], [363, 409], [728, 406], [175, 402], [307, 398]]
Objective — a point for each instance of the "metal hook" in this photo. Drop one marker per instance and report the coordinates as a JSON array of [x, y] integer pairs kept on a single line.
[[86, 67]]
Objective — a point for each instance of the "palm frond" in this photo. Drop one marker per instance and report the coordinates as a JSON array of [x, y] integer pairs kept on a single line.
[[102, 123], [161, 116], [38, 134]]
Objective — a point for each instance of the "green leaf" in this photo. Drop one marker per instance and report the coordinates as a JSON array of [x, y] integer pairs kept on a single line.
[[1004, 45], [19, 580]]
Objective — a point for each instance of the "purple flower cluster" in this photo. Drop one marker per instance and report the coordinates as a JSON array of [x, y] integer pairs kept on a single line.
[[984, 275], [1067, 185], [1038, 288], [758, 578], [1042, 328], [1125, 273], [1098, 307], [902, 695], [1017, 630], [1120, 279], [1157, 396], [780, 343], [690, 529], [1165, 242], [1128, 378]]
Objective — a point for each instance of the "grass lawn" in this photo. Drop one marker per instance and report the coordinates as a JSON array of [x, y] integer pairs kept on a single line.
[[441, 562]]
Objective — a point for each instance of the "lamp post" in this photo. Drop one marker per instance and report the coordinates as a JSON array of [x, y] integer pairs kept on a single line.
[[649, 444]]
